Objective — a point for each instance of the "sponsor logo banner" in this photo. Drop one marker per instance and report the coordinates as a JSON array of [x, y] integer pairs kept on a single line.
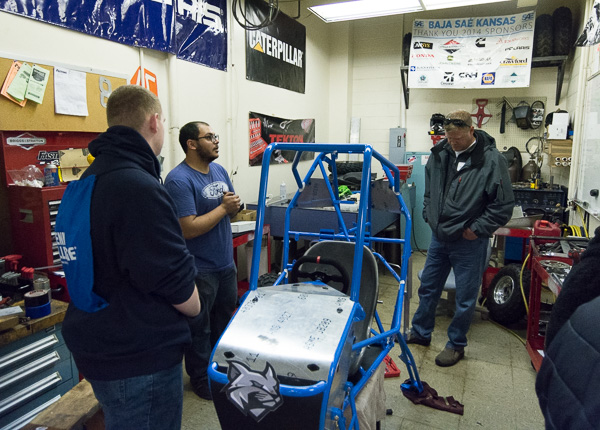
[[472, 52], [265, 129]]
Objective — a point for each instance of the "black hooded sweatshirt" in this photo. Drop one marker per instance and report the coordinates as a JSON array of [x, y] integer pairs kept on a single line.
[[141, 266]]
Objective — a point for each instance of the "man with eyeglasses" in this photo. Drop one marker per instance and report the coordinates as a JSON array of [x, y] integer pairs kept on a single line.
[[468, 195], [205, 201]]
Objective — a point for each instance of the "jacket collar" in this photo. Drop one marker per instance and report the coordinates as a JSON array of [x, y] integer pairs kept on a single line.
[[476, 152]]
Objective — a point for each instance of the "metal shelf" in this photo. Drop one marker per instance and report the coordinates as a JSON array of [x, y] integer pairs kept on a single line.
[[553, 61]]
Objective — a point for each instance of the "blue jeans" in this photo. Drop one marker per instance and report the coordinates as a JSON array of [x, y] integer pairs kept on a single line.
[[219, 291], [468, 259], [144, 402]]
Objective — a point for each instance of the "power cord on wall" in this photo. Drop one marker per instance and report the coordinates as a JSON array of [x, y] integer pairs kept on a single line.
[[239, 13]]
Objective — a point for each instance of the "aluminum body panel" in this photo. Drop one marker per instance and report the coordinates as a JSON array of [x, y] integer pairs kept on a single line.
[[297, 328]]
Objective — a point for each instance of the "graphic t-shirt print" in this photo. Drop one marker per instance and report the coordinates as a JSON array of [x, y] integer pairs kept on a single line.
[[215, 190]]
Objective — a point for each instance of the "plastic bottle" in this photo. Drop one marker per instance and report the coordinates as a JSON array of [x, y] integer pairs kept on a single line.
[[282, 191]]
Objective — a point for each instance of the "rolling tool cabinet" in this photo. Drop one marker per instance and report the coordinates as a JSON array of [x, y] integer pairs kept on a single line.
[[36, 368], [543, 274], [33, 210]]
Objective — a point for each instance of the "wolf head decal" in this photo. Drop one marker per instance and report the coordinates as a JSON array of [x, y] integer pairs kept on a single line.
[[254, 393]]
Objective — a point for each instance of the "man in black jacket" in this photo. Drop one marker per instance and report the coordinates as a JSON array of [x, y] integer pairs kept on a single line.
[[569, 377], [468, 195], [126, 325]]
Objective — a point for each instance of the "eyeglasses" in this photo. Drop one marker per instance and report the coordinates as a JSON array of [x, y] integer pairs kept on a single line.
[[214, 138], [455, 122]]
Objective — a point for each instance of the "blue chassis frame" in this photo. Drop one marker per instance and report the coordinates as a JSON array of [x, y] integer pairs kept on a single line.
[[360, 235]]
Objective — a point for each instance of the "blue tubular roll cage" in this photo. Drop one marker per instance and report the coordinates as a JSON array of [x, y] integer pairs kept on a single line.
[[360, 234]]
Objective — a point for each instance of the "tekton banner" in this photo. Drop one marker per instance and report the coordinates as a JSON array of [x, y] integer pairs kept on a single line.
[[265, 130], [194, 30], [275, 55], [492, 52]]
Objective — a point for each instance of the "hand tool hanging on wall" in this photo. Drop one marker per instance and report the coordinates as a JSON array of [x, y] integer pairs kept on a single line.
[[481, 112], [503, 118]]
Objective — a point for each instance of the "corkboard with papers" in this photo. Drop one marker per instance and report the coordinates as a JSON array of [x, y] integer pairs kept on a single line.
[[42, 117]]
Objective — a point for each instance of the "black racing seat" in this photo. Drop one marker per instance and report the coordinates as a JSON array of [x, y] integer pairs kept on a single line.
[[343, 253]]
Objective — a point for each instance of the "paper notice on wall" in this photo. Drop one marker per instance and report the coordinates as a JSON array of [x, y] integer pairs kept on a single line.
[[18, 86], [70, 94], [36, 87], [10, 76]]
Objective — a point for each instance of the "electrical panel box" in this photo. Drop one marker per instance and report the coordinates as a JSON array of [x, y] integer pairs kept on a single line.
[[397, 145]]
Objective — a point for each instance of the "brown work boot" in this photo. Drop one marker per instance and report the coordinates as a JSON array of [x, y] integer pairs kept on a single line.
[[449, 357]]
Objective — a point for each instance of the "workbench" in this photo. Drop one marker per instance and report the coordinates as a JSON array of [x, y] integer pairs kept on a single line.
[[240, 239], [36, 368], [313, 220]]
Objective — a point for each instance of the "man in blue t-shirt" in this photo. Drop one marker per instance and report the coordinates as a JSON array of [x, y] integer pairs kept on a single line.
[[205, 202]]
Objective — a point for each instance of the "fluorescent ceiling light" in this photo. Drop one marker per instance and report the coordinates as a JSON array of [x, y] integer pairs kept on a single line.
[[364, 9], [358, 9]]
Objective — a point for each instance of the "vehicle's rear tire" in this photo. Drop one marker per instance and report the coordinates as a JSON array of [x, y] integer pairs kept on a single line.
[[562, 20], [504, 298], [344, 167], [543, 38], [267, 279]]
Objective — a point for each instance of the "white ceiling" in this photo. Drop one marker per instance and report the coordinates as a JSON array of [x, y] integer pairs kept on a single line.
[[483, 9]]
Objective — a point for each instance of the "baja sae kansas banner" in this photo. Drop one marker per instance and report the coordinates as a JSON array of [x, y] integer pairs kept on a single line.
[[493, 52], [265, 130], [194, 30], [275, 55]]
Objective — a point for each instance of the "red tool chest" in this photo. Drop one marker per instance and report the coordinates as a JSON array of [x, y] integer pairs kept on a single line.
[[33, 210]]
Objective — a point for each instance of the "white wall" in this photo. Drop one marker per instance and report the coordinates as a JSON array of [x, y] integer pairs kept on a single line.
[[586, 60], [377, 97], [353, 69], [222, 99]]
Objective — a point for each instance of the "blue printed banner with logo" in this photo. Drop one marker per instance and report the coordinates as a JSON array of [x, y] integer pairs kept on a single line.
[[195, 30], [490, 52], [201, 32]]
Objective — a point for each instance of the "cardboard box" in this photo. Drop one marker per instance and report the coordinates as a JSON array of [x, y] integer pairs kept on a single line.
[[244, 215], [559, 148], [73, 163], [559, 127], [263, 263]]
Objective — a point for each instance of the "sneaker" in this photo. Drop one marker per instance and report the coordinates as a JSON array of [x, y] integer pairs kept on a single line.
[[202, 390], [413, 338], [449, 357]]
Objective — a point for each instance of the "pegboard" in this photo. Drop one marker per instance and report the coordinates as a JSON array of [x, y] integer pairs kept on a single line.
[[513, 135]]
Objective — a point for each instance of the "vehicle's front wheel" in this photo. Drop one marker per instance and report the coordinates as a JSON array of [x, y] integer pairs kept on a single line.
[[504, 298]]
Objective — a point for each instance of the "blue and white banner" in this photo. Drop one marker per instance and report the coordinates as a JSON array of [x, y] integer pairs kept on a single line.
[[195, 30], [492, 52], [201, 32]]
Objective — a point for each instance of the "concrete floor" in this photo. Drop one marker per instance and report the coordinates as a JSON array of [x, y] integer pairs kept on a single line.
[[495, 381]]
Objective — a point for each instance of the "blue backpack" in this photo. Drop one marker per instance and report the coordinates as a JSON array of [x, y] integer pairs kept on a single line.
[[73, 236]]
